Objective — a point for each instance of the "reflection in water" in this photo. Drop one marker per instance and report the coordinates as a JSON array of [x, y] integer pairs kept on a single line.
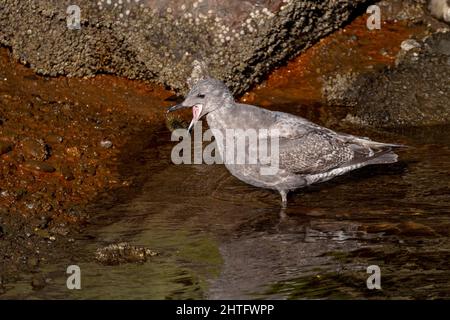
[[220, 238]]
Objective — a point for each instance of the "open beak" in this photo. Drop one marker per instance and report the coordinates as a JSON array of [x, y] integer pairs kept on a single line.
[[196, 113]]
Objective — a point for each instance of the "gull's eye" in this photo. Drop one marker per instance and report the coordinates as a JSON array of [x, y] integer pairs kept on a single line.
[[201, 96]]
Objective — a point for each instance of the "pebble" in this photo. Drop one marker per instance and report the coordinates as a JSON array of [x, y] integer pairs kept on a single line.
[[33, 262], [409, 44], [74, 152], [35, 149], [106, 144], [411, 228], [38, 283], [115, 254], [39, 166], [5, 147], [54, 138], [43, 224], [67, 173]]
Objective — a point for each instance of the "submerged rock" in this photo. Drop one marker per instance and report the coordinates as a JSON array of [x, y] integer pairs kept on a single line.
[[159, 40], [115, 254]]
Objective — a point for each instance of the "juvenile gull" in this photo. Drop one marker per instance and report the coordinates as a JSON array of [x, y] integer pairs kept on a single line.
[[308, 153]]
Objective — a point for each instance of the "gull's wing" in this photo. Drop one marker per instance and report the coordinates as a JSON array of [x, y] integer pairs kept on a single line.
[[307, 148]]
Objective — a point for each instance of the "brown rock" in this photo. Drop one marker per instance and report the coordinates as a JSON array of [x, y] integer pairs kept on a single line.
[[35, 149], [54, 139], [67, 173], [411, 228], [5, 147], [39, 166], [73, 152]]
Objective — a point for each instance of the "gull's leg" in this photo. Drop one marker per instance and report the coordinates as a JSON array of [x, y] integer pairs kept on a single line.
[[283, 194]]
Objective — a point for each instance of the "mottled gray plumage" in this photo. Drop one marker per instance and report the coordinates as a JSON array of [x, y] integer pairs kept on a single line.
[[308, 153]]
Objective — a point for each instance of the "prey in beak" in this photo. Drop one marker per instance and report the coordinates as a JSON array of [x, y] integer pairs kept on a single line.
[[196, 112]]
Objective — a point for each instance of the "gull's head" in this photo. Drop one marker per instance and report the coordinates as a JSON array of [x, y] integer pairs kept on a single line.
[[206, 96]]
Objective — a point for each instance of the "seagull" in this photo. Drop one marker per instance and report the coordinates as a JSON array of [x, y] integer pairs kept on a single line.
[[306, 152]]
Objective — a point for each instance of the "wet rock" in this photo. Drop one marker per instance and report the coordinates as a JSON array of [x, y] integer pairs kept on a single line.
[[415, 92], [43, 224], [411, 228], [115, 254], [42, 233], [35, 149], [337, 89], [54, 139], [66, 172], [106, 144], [174, 122], [412, 10], [159, 40], [73, 152], [385, 227], [5, 147], [89, 169], [410, 44], [2, 287], [38, 283], [33, 262], [38, 166], [61, 230]]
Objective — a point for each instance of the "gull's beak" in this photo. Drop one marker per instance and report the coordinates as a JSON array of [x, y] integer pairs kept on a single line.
[[196, 112], [176, 107]]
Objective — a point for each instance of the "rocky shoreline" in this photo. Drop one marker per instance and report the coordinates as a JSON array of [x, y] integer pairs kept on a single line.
[[60, 153], [159, 40]]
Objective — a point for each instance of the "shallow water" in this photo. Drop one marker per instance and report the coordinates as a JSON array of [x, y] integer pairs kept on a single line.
[[219, 238]]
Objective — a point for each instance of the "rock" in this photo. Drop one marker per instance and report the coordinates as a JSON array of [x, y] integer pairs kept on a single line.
[[38, 166], [159, 40], [43, 224], [5, 147], [2, 232], [33, 262], [411, 228], [106, 144], [115, 254], [35, 149], [42, 233], [62, 231], [384, 227], [38, 283], [174, 122], [410, 44], [54, 139], [67, 173], [440, 9], [415, 92], [73, 152], [412, 10]]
